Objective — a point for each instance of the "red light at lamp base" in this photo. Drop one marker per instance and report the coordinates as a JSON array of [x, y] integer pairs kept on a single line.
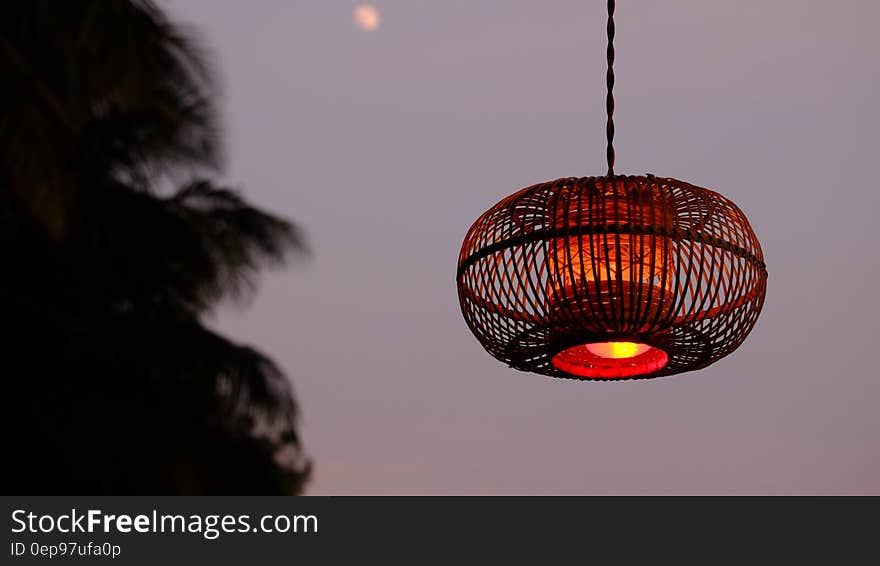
[[610, 360]]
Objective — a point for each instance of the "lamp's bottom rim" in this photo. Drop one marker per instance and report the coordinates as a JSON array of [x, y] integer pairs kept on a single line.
[[610, 360]]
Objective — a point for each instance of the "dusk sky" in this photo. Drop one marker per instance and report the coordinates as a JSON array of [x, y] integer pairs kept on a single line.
[[384, 146]]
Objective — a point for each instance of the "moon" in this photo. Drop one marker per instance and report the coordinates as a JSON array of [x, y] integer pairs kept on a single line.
[[366, 17]]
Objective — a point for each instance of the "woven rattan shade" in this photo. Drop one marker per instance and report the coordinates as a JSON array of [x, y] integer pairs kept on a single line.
[[602, 259]]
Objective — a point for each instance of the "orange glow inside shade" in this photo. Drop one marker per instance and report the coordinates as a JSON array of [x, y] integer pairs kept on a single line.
[[631, 259], [610, 360]]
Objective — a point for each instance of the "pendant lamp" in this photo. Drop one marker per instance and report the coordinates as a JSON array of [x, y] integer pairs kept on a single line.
[[612, 277]]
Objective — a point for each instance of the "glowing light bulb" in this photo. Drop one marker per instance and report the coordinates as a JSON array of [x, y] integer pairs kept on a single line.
[[612, 360], [617, 350]]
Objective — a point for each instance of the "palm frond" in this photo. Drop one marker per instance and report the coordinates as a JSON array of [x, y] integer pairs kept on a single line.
[[121, 387]]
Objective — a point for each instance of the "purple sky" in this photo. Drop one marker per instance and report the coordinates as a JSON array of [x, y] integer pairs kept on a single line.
[[386, 146]]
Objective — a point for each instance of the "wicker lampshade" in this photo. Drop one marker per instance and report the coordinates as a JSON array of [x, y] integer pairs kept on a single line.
[[614, 277], [611, 277]]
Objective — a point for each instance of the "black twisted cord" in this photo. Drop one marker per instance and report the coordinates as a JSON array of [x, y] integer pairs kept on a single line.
[[609, 82]]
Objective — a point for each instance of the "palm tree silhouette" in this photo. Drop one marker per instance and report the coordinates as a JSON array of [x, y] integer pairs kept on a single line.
[[115, 244]]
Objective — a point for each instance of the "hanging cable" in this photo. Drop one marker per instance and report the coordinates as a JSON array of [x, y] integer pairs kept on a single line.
[[609, 82]]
